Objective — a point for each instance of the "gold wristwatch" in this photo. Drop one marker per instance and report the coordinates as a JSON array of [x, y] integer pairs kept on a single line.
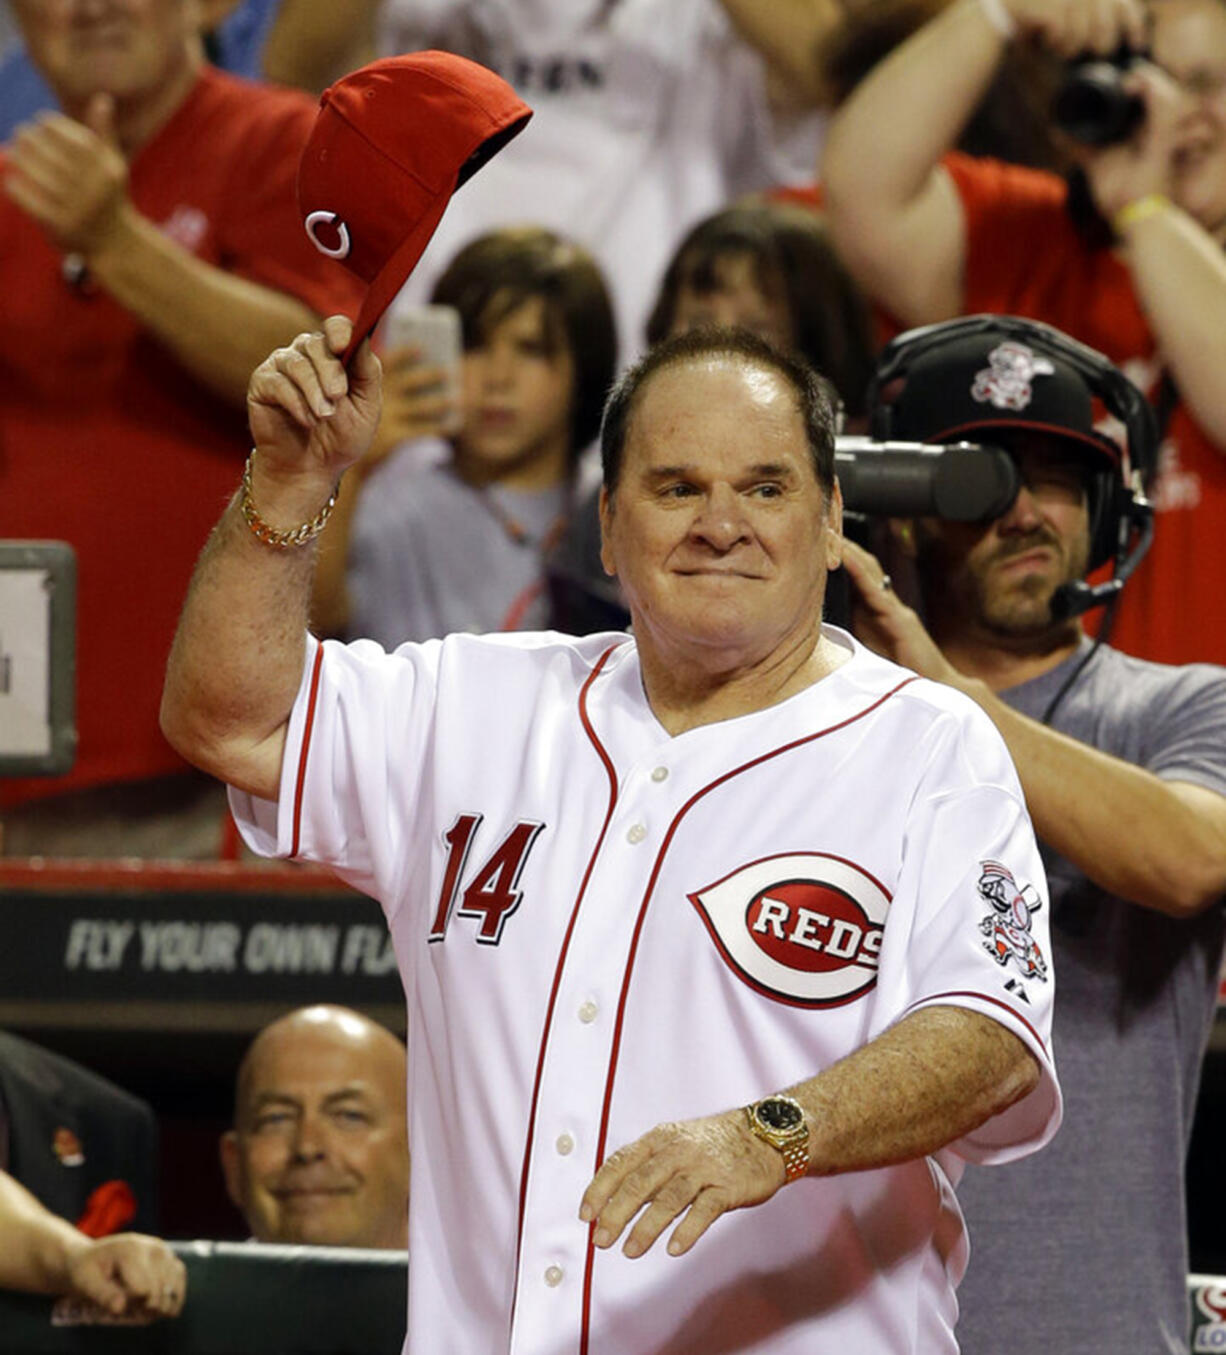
[[780, 1121]]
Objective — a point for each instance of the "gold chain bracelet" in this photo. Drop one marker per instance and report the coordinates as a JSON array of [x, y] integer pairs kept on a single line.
[[272, 536]]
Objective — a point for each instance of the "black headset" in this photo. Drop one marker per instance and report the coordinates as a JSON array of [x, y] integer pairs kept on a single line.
[[1121, 517]]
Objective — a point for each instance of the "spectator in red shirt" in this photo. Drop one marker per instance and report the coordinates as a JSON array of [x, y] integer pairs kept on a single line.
[[150, 252]]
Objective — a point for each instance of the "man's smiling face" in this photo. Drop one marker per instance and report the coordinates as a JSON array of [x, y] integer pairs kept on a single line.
[[319, 1153], [718, 529]]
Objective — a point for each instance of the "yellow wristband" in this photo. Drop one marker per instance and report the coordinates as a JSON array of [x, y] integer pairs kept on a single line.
[[1132, 212]]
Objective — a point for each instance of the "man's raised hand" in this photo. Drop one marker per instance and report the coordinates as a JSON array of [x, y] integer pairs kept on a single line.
[[309, 415]]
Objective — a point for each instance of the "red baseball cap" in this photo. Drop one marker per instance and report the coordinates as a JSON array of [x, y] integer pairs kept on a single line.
[[392, 141]]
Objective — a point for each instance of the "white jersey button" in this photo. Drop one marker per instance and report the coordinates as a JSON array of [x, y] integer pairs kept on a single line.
[[660, 774], [636, 833], [587, 1012], [554, 1276], [565, 1144]]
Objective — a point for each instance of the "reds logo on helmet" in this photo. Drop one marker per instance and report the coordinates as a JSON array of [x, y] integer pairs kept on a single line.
[[1006, 382], [1007, 928], [803, 928]]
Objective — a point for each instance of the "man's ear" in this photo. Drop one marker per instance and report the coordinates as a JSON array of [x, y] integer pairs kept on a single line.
[[834, 527], [903, 532], [606, 519], [231, 1167]]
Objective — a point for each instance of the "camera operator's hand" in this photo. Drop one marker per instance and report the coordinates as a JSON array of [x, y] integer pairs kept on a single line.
[[1071, 27], [1145, 163], [883, 621]]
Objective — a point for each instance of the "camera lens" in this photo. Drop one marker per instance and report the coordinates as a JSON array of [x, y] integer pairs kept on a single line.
[[1093, 107]]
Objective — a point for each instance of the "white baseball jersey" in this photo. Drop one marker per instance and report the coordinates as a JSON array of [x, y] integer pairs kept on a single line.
[[601, 927]]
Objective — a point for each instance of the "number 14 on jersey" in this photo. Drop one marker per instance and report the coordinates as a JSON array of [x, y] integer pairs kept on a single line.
[[493, 893]]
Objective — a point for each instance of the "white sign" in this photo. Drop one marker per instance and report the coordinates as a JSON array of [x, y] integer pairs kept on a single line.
[[25, 661]]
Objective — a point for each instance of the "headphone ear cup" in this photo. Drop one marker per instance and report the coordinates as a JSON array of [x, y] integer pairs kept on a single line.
[[1109, 502]]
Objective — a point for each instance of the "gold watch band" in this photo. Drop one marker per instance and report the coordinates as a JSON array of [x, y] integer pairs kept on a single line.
[[796, 1157]]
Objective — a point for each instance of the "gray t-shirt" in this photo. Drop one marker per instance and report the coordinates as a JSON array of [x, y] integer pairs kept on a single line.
[[430, 554], [1083, 1248]]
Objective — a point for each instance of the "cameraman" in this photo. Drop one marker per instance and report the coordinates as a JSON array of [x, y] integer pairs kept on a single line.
[[1138, 273], [1123, 765]]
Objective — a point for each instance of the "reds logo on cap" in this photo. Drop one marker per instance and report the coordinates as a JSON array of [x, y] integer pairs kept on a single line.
[[328, 233], [803, 928], [391, 143], [1006, 382]]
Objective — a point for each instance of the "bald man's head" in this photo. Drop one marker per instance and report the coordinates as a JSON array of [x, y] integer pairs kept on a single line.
[[319, 1150]]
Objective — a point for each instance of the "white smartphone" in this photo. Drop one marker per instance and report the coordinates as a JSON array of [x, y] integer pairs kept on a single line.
[[436, 332]]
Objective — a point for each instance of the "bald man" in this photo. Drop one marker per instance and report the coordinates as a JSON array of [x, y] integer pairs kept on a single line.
[[319, 1150]]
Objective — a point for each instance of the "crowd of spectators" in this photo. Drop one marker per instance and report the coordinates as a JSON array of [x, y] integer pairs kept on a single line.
[[825, 174]]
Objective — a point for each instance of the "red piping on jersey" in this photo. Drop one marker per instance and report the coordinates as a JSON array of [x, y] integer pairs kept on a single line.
[[557, 975], [634, 945], [307, 728], [982, 997]]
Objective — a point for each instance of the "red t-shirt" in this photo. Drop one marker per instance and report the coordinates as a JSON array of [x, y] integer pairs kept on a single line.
[[1024, 257], [106, 442]]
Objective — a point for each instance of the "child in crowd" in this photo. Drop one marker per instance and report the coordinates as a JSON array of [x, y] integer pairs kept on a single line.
[[770, 267], [422, 547]]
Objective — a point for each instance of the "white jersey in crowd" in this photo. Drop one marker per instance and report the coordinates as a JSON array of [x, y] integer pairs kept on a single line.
[[649, 114], [601, 927]]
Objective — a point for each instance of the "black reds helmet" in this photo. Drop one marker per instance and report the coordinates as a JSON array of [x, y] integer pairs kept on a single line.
[[960, 380]]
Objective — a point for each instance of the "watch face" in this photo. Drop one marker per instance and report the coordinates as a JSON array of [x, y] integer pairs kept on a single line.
[[779, 1114]]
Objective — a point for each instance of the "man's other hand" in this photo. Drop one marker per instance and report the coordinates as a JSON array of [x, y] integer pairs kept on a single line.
[[702, 1167]]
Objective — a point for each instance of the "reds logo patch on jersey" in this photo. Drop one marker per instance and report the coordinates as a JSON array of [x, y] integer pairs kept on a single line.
[[1006, 382], [803, 928], [1006, 929]]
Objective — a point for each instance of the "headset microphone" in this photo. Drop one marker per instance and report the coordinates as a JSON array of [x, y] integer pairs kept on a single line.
[[1078, 597]]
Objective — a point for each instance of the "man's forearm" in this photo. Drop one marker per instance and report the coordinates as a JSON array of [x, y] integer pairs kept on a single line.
[[925, 1082], [218, 325], [36, 1243], [237, 657]]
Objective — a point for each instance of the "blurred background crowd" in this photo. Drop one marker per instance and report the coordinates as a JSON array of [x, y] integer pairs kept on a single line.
[[826, 173]]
